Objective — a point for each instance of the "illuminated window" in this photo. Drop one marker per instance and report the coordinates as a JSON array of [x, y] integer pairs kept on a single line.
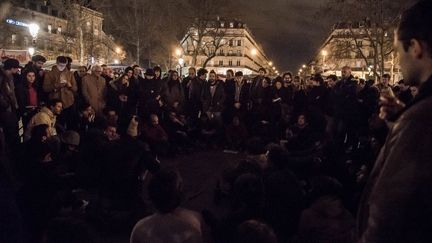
[[59, 29], [13, 39], [49, 28]]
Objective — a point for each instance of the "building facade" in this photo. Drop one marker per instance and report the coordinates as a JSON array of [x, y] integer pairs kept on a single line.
[[353, 45], [72, 30], [235, 48]]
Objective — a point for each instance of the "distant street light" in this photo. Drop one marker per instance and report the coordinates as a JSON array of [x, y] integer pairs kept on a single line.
[[254, 52], [34, 30], [178, 52], [116, 61], [181, 61], [31, 51], [301, 70], [118, 50], [270, 64], [274, 68], [304, 66], [324, 54]]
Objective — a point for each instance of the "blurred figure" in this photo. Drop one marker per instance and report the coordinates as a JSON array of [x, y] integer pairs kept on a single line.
[[170, 223]]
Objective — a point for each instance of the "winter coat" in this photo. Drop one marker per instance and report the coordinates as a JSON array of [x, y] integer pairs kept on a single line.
[[115, 89], [22, 95], [396, 205], [216, 102], [230, 92], [8, 102], [52, 85], [172, 91], [94, 92]]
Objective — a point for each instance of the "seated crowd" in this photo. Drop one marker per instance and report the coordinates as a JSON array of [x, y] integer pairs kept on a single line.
[[89, 141]]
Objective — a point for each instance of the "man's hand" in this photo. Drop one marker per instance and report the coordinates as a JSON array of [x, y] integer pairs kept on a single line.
[[390, 106]]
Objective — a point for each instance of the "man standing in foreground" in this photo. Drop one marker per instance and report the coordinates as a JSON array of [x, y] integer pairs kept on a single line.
[[397, 201]]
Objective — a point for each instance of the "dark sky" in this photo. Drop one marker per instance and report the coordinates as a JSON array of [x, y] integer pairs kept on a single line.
[[290, 31]]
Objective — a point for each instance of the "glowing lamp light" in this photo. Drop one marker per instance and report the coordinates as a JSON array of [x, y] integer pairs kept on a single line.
[[254, 52], [31, 51], [33, 29], [116, 61], [178, 52], [181, 61]]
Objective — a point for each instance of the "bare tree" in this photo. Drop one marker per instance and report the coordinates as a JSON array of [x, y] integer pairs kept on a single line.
[[369, 26]]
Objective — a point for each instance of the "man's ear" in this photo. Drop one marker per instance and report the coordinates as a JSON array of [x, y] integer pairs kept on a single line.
[[416, 49]]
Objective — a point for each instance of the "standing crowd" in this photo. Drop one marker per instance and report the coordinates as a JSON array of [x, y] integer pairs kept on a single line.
[[316, 151]]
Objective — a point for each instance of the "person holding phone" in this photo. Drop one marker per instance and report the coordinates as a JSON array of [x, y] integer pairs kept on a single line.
[[60, 84]]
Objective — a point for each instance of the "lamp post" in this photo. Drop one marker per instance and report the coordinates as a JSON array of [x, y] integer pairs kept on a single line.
[[34, 30], [324, 53], [181, 62]]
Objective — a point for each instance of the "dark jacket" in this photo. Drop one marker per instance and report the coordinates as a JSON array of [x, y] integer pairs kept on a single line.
[[213, 103], [172, 91], [148, 92], [115, 89], [192, 88], [230, 92], [396, 205], [22, 95]]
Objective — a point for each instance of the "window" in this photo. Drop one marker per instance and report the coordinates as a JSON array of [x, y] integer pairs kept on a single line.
[[239, 53], [49, 28], [238, 63], [231, 43], [221, 52], [222, 24], [231, 25], [230, 63], [26, 41], [220, 62], [33, 6], [44, 9], [13, 39], [96, 32], [239, 43], [54, 13], [360, 43], [59, 29]]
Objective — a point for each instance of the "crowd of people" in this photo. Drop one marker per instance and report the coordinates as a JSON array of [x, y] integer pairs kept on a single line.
[[90, 140]]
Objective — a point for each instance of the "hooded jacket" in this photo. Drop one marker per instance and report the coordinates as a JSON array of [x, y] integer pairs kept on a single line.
[[45, 116]]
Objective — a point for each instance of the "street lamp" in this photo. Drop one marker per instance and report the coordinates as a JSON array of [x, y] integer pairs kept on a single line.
[[116, 61], [118, 50], [254, 52], [274, 68], [270, 64], [304, 66], [181, 62], [324, 53], [34, 30], [178, 52], [31, 51]]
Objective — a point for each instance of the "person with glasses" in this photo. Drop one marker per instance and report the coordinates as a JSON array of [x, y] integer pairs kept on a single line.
[[94, 89]]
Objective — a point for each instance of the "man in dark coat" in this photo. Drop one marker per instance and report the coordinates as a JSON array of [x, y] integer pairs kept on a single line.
[[397, 205], [149, 99], [237, 97], [192, 86], [8, 102], [213, 98]]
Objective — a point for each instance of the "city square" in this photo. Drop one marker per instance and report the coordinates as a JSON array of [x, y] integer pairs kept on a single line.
[[215, 121]]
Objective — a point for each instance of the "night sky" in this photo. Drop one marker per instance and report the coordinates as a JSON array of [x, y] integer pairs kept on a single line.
[[290, 31]]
